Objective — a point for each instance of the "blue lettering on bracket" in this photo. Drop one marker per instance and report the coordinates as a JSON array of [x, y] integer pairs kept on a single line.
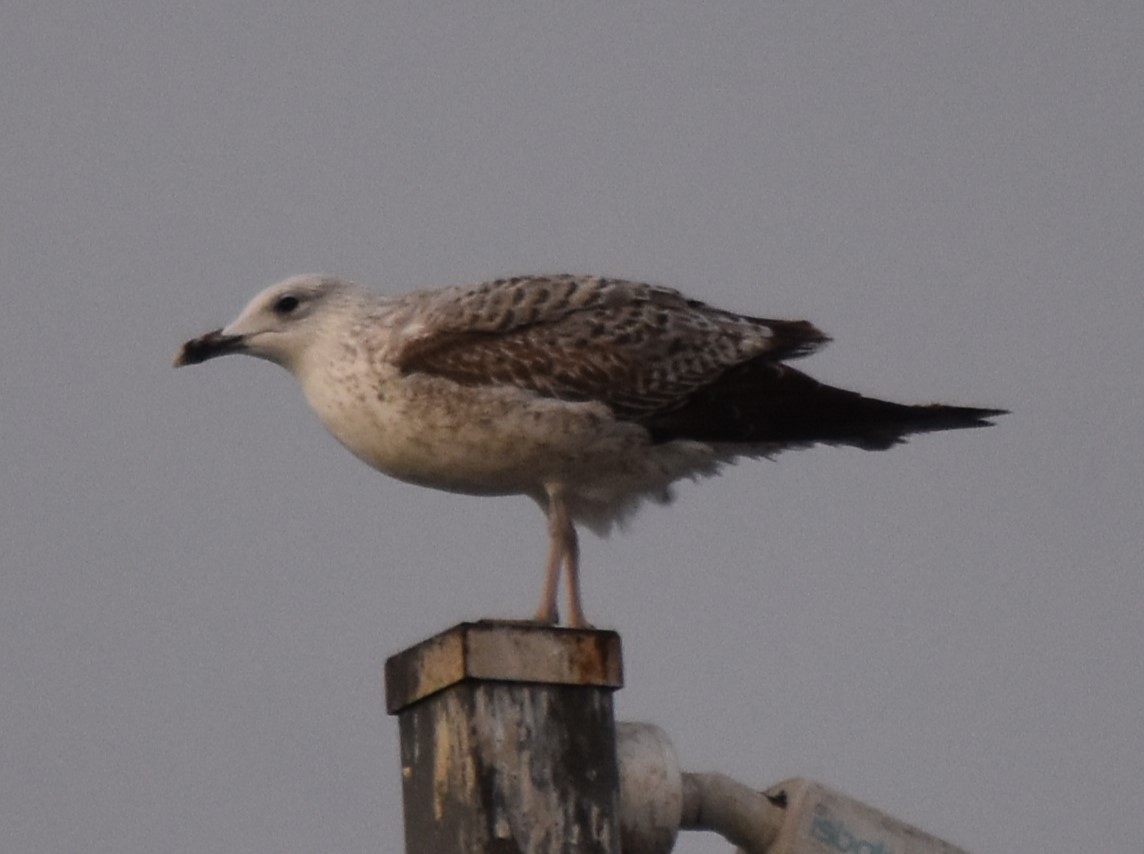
[[835, 834]]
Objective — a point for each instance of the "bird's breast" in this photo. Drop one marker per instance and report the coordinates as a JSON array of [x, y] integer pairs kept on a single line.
[[478, 440]]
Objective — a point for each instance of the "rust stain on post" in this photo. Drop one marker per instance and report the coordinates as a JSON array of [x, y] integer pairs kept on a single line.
[[503, 651]]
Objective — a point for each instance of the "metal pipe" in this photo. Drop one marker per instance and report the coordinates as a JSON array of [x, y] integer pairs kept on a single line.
[[737, 812]]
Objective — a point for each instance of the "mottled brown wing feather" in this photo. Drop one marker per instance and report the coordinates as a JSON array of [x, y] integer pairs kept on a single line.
[[638, 348]]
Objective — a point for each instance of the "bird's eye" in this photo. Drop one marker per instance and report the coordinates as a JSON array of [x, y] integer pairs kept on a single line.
[[286, 304]]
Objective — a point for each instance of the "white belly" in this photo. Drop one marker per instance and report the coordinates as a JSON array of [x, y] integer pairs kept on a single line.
[[501, 441], [474, 440]]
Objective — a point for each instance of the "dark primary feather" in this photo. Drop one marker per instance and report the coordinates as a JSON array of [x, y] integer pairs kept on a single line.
[[764, 402]]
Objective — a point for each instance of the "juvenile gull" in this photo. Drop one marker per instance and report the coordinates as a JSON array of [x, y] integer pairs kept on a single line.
[[589, 395]]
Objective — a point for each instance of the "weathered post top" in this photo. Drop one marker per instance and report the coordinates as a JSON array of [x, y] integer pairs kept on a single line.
[[508, 741], [503, 651]]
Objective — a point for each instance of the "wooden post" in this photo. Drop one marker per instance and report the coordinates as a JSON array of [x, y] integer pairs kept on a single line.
[[508, 742]]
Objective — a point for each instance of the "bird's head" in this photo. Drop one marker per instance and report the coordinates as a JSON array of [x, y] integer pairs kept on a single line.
[[277, 325]]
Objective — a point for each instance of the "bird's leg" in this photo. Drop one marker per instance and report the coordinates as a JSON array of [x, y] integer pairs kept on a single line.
[[563, 555], [565, 549], [572, 579], [547, 612]]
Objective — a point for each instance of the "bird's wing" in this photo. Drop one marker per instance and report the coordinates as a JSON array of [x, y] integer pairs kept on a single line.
[[636, 347]]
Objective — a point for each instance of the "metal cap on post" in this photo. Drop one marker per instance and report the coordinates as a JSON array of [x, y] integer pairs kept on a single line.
[[508, 742]]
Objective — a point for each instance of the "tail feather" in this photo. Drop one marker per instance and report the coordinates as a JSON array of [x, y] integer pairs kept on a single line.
[[769, 403]]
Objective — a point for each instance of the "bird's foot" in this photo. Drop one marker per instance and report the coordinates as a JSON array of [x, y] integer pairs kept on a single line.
[[546, 616], [577, 621]]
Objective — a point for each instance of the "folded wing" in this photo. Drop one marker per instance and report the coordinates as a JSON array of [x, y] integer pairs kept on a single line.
[[640, 349]]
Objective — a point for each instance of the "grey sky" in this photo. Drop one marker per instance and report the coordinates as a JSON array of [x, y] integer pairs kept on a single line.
[[199, 586]]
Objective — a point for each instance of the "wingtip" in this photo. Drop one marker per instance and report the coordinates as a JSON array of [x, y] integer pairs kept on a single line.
[[986, 414], [946, 417]]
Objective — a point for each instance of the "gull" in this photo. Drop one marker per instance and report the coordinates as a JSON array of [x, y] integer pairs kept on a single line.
[[589, 395]]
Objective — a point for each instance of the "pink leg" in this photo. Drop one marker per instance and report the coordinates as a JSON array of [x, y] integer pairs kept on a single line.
[[576, 618], [563, 554], [548, 613]]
